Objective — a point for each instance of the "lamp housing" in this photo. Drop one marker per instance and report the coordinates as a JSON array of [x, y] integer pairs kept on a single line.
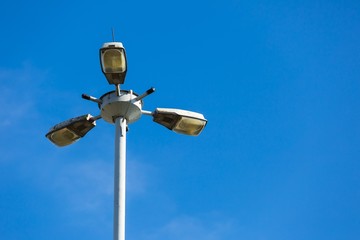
[[113, 62], [180, 121], [69, 131]]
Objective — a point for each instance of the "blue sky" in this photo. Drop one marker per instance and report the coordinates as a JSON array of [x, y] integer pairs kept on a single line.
[[279, 82]]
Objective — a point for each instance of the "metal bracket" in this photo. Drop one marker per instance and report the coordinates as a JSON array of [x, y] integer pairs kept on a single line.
[[148, 92], [90, 98]]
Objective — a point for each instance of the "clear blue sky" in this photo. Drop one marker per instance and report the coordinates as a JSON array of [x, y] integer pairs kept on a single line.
[[279, 82]]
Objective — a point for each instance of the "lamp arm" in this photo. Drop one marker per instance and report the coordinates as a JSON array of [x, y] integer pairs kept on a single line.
[[90, 98], [149, 113], [148, 92], [93, 119]]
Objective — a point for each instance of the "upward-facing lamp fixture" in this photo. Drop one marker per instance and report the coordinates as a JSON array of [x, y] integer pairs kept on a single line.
[[122, 107]]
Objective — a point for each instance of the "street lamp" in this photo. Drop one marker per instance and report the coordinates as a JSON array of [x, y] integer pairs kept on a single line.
[[180, 121], [122, 107], [113, 62], [69, 131]]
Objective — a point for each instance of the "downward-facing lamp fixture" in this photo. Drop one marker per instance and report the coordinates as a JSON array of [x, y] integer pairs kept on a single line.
[[180, 121], [69, 131], [113, 62]]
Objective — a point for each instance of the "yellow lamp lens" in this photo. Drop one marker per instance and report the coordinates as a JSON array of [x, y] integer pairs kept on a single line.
[[189, 126], [114, 61], [64, 137]]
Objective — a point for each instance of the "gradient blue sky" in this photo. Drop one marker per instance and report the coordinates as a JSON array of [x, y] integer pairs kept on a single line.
[[279, 82]]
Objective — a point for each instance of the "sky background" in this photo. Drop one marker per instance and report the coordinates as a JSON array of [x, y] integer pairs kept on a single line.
[[278, 81]]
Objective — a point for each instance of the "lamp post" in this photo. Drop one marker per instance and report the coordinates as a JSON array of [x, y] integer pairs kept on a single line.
[[122, 107]]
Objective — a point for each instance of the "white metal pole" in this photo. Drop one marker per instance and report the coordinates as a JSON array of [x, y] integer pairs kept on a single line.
[[120, 178]]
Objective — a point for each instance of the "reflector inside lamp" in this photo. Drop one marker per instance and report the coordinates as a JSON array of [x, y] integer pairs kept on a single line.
[[113, 61], [189, 126], [180, 121], [63, 137], [68, 132]]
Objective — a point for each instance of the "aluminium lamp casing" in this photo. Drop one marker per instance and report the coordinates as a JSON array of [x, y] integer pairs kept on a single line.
[[69, 131], [180, 121], [113, 62]]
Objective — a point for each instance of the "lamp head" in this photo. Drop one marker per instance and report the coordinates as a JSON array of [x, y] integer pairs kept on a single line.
[[69, 131], [113, 62], [180, 121]]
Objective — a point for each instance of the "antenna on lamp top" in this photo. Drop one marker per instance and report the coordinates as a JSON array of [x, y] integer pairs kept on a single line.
[[113, 34]]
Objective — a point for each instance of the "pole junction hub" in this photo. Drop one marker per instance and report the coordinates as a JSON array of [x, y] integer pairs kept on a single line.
[[125, 105]]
